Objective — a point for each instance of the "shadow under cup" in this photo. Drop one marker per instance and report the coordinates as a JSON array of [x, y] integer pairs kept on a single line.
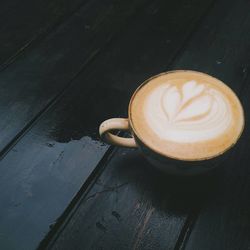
[[170, 165]]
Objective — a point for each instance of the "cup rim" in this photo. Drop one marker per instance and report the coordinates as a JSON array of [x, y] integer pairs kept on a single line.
[[172, 157]]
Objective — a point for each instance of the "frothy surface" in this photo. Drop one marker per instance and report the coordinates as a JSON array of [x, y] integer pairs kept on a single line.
[[191, 112], [187, 115]]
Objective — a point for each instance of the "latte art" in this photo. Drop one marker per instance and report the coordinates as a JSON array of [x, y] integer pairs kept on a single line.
[[192, 112], [186, 115]]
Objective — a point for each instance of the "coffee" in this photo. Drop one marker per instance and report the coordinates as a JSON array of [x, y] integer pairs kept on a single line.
[[186, 115]]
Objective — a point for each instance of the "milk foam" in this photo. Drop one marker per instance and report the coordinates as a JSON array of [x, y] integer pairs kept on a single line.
[[193, 112]]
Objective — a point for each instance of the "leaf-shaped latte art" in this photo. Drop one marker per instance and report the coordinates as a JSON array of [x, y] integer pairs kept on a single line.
[[190, 113]]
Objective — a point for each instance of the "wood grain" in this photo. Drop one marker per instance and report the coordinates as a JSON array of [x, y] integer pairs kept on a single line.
[[126, 180], [123, 202], [28, 88], [41, 74], [128, 207], [222, 48], [54, 159], [23, 22], [113, 78]]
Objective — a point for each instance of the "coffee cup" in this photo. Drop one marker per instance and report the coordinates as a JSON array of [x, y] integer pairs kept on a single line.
[[184, 122]]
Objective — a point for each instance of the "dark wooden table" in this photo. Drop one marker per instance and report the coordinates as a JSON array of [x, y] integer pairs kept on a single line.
[[68, 65]]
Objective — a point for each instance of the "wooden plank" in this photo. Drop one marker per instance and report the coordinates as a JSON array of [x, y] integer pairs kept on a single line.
[[131, 206], [22, 22], [42, 73], [63, 148], [47, 167], [105, 215], [221, 48]]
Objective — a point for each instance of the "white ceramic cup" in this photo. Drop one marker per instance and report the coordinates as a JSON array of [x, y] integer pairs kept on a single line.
[[163, 162]]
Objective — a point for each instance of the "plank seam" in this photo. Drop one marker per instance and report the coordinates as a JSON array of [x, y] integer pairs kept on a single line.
[[55, 99], [62, 222], [186, 230], [192, 217], [109, 153], [69, 212], [43, 111], [41, 35]]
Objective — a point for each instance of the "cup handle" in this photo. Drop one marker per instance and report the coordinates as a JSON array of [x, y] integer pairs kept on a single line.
[[116, 124]]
